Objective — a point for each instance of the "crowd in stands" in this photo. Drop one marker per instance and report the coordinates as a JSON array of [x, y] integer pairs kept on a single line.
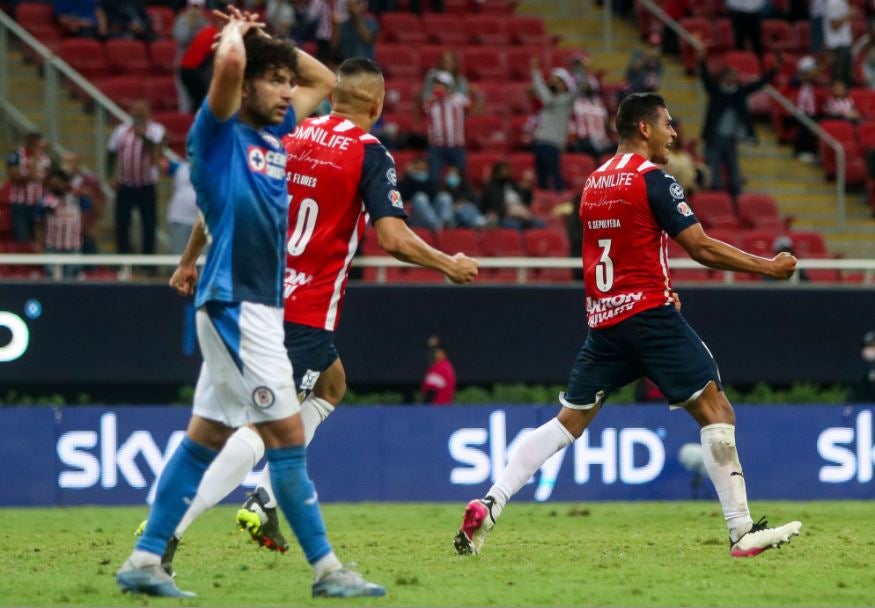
[[492, 125]]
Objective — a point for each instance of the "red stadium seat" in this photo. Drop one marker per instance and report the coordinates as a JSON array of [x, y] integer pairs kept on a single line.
[[177, 125], [163, 55], [487, 30], [163, 94], [705, 31], [401, 95], [745, 63], [495, 7], [547, 243], [404, 28], [480, 167], [576, 168], [486, 132], [398, 61], [455, 240], [561, 57], [501, 242], [778, 35], [715, 210], [519, 61], [855, 170], [444, 29], [86, 57], [759, 211], [457, 7], [426, 234], [807, 244], [127, 57], [485, 63], [521, 131], [162, 20], [35, 16], [528, 31], [5, 222], [517, 98], [430, 54], [802, 31], [864, 99], [759, 242], [685, 274], [403, 158], [520, 162], [125, 90], [866, 133]]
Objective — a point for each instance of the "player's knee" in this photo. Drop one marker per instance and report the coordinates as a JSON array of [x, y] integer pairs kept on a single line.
[[332, 392]]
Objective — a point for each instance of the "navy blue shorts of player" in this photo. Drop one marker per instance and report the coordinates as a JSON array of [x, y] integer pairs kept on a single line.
[[656, 343], [311, 351]]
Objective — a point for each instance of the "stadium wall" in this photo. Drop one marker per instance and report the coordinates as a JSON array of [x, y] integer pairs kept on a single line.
[[105, 455], [108, 333]]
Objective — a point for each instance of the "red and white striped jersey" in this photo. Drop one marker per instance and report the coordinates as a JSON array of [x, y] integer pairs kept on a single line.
[[64, 221], [135, 162], [445, 116], [337, 176], [32, 166], [628, 210], [588, 119]]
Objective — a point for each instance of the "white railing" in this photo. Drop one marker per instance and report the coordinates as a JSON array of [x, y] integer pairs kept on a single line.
[[54, 265]]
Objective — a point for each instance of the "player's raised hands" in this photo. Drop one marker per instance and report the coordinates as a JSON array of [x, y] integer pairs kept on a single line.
[[244, 20], [464, 269], [184, 280], [783, 266]]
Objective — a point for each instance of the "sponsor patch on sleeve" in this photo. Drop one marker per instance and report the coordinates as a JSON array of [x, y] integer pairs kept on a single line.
[[395, 199], [392, 177], [676, 190], [684, 209]]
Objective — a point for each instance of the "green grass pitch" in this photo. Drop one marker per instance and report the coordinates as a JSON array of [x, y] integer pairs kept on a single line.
[[596, 554]]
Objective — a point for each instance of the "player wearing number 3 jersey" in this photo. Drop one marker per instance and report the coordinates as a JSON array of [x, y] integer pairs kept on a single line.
[[629, 210], [338, 176]]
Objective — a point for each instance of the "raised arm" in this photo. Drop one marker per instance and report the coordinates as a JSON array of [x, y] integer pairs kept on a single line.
[[229, 65], [402, 243], [315, 83], [717, 254]]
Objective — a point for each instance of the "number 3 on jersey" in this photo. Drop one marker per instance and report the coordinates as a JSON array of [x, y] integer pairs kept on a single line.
[[604, 270], [304, 225]]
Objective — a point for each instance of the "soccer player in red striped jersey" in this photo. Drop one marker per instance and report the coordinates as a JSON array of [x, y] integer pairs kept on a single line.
[[338, 176], [629, 209]]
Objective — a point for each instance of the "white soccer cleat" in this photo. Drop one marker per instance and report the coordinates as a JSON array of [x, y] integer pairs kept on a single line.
[[761, 537], [478, 520]]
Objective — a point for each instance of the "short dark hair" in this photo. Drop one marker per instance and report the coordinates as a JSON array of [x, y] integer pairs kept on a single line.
[[59, 173], [265, 54], [359, 65], [33, 137], [635, 108]]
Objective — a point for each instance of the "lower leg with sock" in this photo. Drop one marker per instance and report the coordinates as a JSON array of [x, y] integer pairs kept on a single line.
[[176, 488], [242, 451], [296, 495], [724, 468], [529, 456]]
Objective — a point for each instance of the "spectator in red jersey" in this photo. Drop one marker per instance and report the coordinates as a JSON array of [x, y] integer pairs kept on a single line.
[[439, 384], [27, 167], [76, 17], [590, 124], [355, 32], [839, 104], [88, 186], [449, 63], [62, 219], [124, 19], [445, 117], [186, 26], [802, 93], [137, 147]]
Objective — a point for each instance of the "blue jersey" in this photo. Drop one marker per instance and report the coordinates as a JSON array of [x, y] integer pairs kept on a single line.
[[239, 174]]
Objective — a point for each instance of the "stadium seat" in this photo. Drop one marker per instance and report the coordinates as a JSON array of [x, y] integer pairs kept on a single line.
[[401, 95], [520, 162], [759, 242], [745, 63], [715, 210], [855, 170], [426, 234], [807, 243], [162, 19], [517, 97], [163, 56], [487, 30], [527, 31], [486, 132], [457, 7], [822, 275], [778, 35], [521, 130], [454, 240], [561, 57], [802, 33], [403, 158], [35, 16], [430, 54], [403, 28], [125, 90], [480, 167], [177, 125], [86, 56], [485, 63], [705, 31], [866, 134], [864, 99], [519, 61], [576, 168], [443, 29], [5, 222], [127, 57], [399, 122], [501, 242], [501, 8], [162, 93], [398, 61], [547, 243], [760, 211]]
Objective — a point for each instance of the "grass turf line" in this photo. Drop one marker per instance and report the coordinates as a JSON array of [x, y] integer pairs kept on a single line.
[[604, 554]]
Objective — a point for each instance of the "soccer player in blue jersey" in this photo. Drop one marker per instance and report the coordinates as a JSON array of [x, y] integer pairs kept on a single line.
[[238, 171]]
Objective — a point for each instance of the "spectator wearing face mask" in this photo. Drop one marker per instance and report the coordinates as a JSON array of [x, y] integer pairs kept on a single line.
[[429, 208], [505, 202], [465, 211], [445, 110], [557, 95], [61, 219]]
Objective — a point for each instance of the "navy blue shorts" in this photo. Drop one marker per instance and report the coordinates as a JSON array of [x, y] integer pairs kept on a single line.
[[311, 351], [657, 343]]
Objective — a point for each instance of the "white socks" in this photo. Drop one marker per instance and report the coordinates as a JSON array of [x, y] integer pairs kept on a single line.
[[313, 411], [242, 451], [326, 565], [724, 469], [531, 454]]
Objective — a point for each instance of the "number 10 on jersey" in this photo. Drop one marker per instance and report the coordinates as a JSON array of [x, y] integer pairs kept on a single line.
[[304, 226]]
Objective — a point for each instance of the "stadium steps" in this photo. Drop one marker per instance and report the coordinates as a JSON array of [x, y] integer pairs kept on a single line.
[[806, 195]]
